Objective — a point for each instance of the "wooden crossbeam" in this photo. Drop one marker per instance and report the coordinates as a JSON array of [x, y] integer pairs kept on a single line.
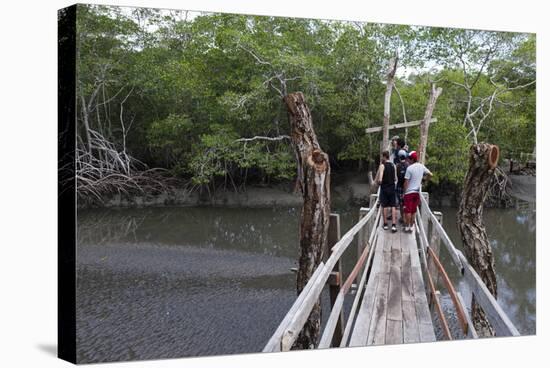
[[400, 125]]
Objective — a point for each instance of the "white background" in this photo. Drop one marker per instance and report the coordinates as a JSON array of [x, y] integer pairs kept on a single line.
[[28, 181]]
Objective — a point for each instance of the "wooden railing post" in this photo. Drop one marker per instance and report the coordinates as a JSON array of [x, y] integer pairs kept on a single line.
[[424, 212], [361, 238], [434, 246], [335, 283]]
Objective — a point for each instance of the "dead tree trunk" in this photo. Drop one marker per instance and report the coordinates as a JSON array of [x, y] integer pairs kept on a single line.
[[425, 125], [390, 81], [314, 182], [483, 161]]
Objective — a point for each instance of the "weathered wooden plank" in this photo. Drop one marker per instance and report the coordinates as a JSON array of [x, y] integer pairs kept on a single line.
[[300, 316], [364, 315], [422, 310], [386, 263], [411, 332], [334, 235], [405, 248], [410, 242], [423, 240], [394, 331], [373, 239], [332, 322], [434, 246], [302, 313], [499, 320], [398, 126], [407, 290], [426, 331], [362, 236], [377, 330], [394, 293], [471, 329], [388, 243]]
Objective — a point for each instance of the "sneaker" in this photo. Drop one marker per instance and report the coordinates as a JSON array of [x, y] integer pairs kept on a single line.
[[393, 228], [385, 226]]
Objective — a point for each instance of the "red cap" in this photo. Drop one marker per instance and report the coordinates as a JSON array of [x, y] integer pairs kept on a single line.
[[413, 155]]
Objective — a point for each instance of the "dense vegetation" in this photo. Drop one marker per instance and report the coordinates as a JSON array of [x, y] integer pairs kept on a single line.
[[180, 90]]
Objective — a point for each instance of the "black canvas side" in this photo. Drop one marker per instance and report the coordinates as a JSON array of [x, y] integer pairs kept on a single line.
[[66, 201]]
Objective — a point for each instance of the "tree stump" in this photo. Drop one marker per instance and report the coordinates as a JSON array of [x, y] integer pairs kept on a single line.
[[483, 161], [314, 182]]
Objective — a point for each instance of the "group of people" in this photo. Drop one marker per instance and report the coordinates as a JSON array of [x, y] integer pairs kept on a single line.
[[400, 178]]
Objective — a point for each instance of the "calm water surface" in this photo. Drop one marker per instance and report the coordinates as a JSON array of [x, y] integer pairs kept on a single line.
[[174, 282]]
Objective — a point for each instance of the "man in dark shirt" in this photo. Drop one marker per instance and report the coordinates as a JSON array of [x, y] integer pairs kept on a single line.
[[401, 169], [387, 178]]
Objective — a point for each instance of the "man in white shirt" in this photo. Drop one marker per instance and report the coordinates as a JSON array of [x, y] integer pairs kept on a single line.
[[411, 187]]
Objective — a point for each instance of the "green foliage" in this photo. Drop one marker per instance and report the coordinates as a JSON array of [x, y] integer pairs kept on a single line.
[[193, 84]]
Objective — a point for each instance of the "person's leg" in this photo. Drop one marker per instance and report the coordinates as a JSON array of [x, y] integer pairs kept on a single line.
[[415, 203], [401, 213], [406, 206], [394, 218]]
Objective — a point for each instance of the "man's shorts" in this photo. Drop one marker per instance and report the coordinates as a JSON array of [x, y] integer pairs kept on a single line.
[[387, 196], [411, 202]]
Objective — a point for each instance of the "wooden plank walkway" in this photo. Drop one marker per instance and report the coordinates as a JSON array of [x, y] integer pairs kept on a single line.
[[394, 308]]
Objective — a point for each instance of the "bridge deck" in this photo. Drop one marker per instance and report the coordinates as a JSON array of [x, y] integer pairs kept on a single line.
[[394, 308]]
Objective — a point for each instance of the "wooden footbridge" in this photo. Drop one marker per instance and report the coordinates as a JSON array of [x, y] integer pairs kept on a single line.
[[394, 284]]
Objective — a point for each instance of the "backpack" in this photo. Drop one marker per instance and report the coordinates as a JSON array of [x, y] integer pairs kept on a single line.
[[401, 170]]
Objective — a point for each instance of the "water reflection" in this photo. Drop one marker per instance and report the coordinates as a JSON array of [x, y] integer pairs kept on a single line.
[[512, 234], [172, 282]]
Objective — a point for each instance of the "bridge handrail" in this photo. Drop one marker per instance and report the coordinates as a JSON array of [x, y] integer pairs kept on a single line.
[[498, 319], [360, 288], [293, 322], [453, 251], [330, 326]]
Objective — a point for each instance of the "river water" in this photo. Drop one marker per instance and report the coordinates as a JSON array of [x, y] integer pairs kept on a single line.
[[173, 282]]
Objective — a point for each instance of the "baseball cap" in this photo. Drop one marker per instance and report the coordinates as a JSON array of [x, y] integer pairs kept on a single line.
[[402, 154], [413, 155]]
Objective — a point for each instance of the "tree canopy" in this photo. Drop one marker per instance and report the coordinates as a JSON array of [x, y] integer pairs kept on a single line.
[[200, 94]]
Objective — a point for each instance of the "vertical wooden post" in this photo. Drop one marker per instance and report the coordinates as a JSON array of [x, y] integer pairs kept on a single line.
[[363, 233], [362, 237], [434, 246], [372, 201], [424, 212], [335, 283]]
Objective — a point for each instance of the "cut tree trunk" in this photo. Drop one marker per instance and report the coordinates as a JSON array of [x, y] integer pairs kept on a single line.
[[425, 125], [390, 81], [483, 161], [314, 182]]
